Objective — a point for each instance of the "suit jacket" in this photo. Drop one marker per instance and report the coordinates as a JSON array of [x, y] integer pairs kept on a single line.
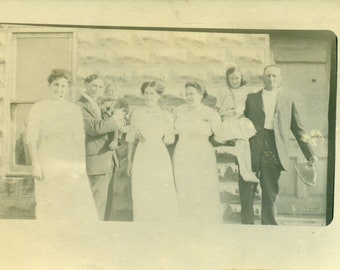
[[286, 120], [98, 156]]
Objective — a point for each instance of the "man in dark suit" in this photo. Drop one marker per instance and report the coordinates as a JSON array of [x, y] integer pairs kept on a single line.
[[274, 115], [99, 163]]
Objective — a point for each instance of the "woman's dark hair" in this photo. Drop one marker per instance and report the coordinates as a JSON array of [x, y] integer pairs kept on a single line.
[[93, 77], [158, 87], [232, 70], [57, 74], [199, 87]]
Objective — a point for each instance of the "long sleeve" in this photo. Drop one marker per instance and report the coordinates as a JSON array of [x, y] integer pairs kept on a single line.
[[169, 134], [79, 135], [219, 99], [240, 101], [33, 125], [95, 127], [131, 138], [131, 134], [175, 115], [215, 123], [33, 134], [298, 131]]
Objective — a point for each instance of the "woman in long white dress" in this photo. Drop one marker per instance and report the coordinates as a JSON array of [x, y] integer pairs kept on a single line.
[[153, 190], [56, 140], [195, 167]]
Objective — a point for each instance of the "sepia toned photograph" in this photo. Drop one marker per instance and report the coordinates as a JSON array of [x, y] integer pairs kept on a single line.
[[167, 125], [165, 134]]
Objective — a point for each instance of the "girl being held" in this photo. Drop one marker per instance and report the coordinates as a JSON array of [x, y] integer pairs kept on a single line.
[[230, 105]]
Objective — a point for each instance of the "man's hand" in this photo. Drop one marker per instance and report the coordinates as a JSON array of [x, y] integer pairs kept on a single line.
[[231, 142], [312, 160]]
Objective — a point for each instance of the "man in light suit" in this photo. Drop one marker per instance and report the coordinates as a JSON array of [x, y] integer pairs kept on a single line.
[[99, 163], [274, 115]]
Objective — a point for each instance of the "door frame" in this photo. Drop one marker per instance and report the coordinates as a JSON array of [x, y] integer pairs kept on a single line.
[[281, 47]]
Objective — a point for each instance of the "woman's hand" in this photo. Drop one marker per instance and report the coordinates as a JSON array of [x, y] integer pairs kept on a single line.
[[125, 129], [140, 137], [129, 169], [229, 113], [113, 145], [37, 172]]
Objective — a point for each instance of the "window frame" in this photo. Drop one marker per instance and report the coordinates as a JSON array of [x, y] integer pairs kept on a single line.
[[10, 168]]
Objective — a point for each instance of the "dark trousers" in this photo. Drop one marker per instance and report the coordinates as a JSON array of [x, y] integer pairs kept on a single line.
[[247, 194], [119, 205], [269, 170]]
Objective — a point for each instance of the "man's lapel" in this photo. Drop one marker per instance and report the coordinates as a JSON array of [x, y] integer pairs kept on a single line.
[[259, 100], [281, 102], [90, 108]]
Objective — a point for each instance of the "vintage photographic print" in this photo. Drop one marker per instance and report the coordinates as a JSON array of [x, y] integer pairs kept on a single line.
[[165, 134], [167, 125]]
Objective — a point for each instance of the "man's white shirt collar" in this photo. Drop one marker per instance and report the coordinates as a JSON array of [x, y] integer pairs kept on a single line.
[[269, 98], [271, 92]]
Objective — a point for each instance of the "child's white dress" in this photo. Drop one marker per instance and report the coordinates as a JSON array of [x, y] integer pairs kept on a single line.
[[231, 105]]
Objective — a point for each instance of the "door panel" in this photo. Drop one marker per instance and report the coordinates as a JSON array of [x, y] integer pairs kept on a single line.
[[308, 84]]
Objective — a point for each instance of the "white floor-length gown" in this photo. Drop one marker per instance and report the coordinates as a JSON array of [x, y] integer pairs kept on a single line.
[[64, 192], [153, 190], [195, 167]]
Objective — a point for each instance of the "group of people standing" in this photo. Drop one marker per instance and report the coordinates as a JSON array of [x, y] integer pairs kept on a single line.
[[70, 143], [187, 186]]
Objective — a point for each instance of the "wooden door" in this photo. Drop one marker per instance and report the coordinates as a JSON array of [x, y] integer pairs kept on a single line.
[[309, 84]]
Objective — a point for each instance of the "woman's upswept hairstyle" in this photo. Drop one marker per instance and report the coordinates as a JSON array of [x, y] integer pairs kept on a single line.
[[232, 70], [199, 87], [57, 74], [158, 87]]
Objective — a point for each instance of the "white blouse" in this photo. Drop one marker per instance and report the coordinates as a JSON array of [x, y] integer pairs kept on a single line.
[[57, 125]]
